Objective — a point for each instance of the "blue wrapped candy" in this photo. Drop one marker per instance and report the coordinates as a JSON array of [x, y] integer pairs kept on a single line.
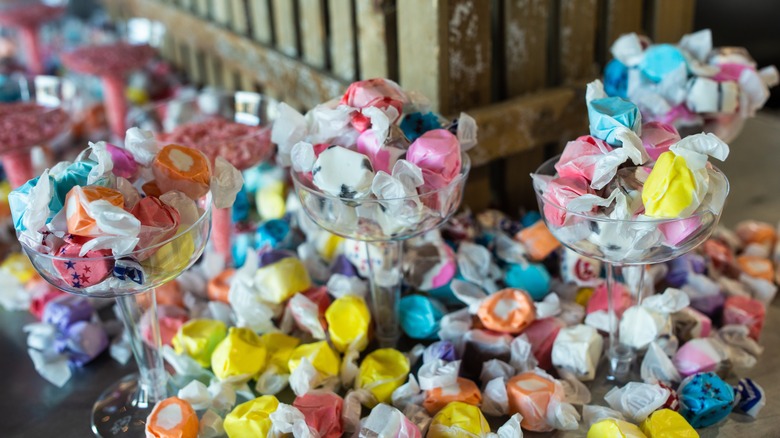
[[530, 218], [705, 399], [129, 270], [416, 124], [419, 316], [606, 114], [242, 243], [531, 277], [444, 350], [750, 397], [74, 175], [659, 60], [616, 79], [680, 267], [241, 206], [271, 234]]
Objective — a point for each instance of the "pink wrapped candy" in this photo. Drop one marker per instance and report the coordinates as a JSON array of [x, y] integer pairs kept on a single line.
[[541, 334], [124, 164], [437, 153], [621, 297], [580, 156], [677, 231], [745, 311], [698, 356], [171, 319], [657, 137], [383, 157], [159, 221], [322, 411], [378, 92], [558, 194], [83, 273]]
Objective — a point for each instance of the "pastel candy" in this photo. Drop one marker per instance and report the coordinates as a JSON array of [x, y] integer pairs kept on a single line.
[[80, 272], [171, 319], [348, 320], [745, 311], [609, 113], [174, 256], [577, 349], [710, 305], [271, 234], [181, 168], [270, 201], [697, 356], [342, 265], [507, 311], [616, 79], [437, 153], [756, 232], [705, 399], [279, 348], [42, 298], [659, 60], [383, 157], [689, 323], [342, 172], [322, 411], [465, 391], [159, 221], [273, 256], [680, 267], [758, 267], [657, 137], [419, 316], [639, 326], [667, 423], [251, 419], [84, 341], [529, 394], [459, 420], [750, 397], [66, 310], [579, 269], [19, 265], [613, 428], [281, 280], [620, 296], [414, 125], [382, 372], [429, 266], [78, 213], [580, 156], [198, 338], [560, 191], [239, 357], [172, 418], [387, 421], [124, 163], [240, 211], [376, 92], [320, 355], [481, 346], [74, 175], [542, 334], [219, 286], [708, 96], [530, 277], [444, 350]]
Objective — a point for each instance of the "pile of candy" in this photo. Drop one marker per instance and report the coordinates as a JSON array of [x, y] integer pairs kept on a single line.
[[26, 124], [691, 85], [108, 59], [28, 14], [99, 214]]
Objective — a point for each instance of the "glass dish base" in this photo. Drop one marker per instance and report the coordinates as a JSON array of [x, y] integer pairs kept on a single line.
[[121, 410]]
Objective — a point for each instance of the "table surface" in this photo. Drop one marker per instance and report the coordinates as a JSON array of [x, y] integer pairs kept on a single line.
[[32, 407]]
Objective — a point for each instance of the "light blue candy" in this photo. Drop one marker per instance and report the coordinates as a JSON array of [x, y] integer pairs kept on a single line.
[[74, 175], [530, 218], [705, 399], [616, 79], [532, 278], [609, 113], [271, 234], [660, 60], [242, 244], [18, 200], [420, 316], [416, 124], [257, 177]]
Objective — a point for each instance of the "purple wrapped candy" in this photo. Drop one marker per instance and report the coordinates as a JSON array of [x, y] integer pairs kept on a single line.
[[680, 267], [342, 265], [710, 305], [83, 341], [66, 310], [444, 350], [274, 255]]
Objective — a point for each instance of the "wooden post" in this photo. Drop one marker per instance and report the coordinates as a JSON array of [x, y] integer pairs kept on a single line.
[[671, 19], [623, 16], [313, 38], [239, 19], [342, 39], [525, 50], [577, 40], [284, 27], [221, 11], [260, 17]]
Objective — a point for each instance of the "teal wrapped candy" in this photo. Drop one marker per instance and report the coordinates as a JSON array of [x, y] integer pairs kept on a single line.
[[705, 399], [17, 202], [616, 79], [530, 218], [420, 316], [416, 124], [74, 175], [242, 244], [271, 234], [241, 206], [609, 113], [531, 277], [659, 60]]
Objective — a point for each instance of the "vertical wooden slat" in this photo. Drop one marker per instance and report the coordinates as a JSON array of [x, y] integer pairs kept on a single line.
[[228, 77], [477, 194], [342, 39], [247, 83], [221, 12], [623, 16], [202, 7], [517, 188], [577, 39], [284, 26], [213, 70], [238, 20], [525, 50], [260, 17], [671, 19], [195, 65], [187, 4], [313, 39], [444, 51], [372, 40]]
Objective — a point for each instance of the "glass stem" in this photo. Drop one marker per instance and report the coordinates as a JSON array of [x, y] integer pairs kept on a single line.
[[152, 376], [385, 279], [611, 315], [640, 294]]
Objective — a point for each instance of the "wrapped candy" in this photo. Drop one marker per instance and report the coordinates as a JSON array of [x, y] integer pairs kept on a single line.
[[437, 153], [542, 334], [181, 168], [750, 398], [580, 157], [559, 192], [172, 418], [271, 234], [238, 357], [198, 338], [322, 410], [219, 286], [465, 391], [429, 266], [578, 269], [381, 372], [251, 419], [443, 350], [758, 267], [531, 277], [578, 349], [705, 399], [538, 398], [79, 211], [658, 367], [459, 419], [171, 319], [159, 221], [279, 348], [279, 281], [173, 256], [419, 316], [689, 323], [386, 421], [83, 341], [745, 311], [480, 346], [83, 270], [342, 172], [637, 400], [657, 137], [416, 124], [376, 92], [666, 422], [620, 296], [67, 310], [680, 267], [699, 355], [320, 360], [348, 320], [383, 156], [507, 311], [614, 428]]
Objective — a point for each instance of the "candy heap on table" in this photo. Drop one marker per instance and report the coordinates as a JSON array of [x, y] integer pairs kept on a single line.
[[497, 303], [691, 85]]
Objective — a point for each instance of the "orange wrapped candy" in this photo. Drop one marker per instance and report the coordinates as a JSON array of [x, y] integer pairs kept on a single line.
[[529, 394], [466, 392], [538, 240], [181, 168], [757, 267], [761, 233], [80, 222], [219, 286], [172, 418], [507, 311]]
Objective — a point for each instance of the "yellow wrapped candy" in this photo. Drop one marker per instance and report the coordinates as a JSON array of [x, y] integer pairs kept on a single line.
[[320, 355], [459, 420], [583, 296], [279, 348], [270, 201], [348, 320], [172, 257], [251, 419], [281, 280], [240, 356], [381, 372], [328, 245], [667, 423], [18, 265], [198, 338], [612, 428], [670, 187]]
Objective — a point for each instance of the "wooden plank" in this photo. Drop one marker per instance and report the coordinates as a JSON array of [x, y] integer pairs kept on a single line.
[[342, 39], [195, 65], [228, 77], [221, 12], [260, 17], [238, 20], [373, 40], [313, 38], [284, 27], [478, 195], [213, 73], [671, 19], [622, 16], [187, 4], [577, 40], [201, 7], [281, 76], [247, 82], [517, 192], [452, 66], [525, 50]]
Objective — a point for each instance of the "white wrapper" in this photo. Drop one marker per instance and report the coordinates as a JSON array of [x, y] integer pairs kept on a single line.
[[658, 367], [578, 349], [438, 374], [637, 400]]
